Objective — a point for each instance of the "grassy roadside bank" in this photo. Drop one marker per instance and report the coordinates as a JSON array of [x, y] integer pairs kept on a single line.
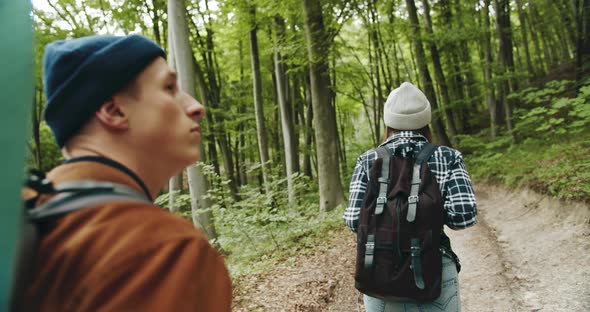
[[560, 169]]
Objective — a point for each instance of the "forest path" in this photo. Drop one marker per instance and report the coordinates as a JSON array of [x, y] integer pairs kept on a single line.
[[527, 253]]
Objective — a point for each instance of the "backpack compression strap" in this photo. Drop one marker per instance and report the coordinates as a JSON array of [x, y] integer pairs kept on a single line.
[[415, 249], [424, 155], [383, 179]]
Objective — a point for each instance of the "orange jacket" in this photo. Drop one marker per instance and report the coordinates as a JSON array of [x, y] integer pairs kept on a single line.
[[124, 257]]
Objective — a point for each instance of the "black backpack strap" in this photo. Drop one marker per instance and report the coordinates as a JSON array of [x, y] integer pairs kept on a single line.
[[82, 194], [383, 179], [423, 156]]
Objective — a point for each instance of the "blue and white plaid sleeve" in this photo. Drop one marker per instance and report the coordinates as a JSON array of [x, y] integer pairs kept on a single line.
[[358, 187], [460, 198]]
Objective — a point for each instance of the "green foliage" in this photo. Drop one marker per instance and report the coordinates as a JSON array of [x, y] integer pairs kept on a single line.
[[182, 201], [50, 153], [260, 229], [560, 169], [547, 112], [553, 159]]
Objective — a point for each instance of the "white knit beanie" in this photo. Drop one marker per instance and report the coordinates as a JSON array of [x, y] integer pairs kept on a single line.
[[406, 108]]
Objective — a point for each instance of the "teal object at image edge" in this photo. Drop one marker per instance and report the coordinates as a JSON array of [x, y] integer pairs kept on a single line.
[[16, 91]]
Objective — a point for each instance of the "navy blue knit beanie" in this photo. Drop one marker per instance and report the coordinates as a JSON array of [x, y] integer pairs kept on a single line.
[[81, 74]]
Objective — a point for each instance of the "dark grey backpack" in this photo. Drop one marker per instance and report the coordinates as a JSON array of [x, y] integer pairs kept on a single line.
[[400, 229]]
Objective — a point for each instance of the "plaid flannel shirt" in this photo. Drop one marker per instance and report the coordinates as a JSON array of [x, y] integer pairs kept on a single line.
[[447, 166]]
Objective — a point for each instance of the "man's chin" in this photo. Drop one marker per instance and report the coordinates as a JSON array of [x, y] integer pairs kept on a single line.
[[193, 157]]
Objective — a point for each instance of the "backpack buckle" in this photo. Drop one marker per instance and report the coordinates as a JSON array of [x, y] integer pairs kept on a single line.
[[38, 182], [412, 199], [370, 248], [381, 200]]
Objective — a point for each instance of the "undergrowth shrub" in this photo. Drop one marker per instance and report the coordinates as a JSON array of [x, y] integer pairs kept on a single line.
[[553, 156], [259, 228]]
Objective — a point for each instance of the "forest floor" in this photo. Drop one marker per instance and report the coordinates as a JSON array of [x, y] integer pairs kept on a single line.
[[527, 252]]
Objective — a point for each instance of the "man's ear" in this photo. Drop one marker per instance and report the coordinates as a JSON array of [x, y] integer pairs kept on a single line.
[[112, 115]]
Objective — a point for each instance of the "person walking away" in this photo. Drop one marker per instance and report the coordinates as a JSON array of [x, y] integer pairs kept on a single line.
[[403, 285]]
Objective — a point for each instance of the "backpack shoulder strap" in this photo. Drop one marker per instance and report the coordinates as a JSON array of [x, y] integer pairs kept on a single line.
[[425, 153], [70, 197], [83, 194], [383, 153]]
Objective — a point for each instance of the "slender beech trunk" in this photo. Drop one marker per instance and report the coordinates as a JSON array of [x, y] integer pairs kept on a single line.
[[175, 182], [258, 107], [202, 216], [285, 110]]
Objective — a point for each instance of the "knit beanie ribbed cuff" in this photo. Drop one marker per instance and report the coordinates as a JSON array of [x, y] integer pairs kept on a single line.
[[407, 108]]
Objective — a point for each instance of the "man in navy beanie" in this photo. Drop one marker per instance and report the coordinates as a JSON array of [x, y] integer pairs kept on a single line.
[[117, 113]]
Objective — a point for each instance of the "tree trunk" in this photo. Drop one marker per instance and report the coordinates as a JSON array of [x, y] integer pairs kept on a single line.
[[226, 153], [536, 45], [258, 107], [156, 22], [506, 59], [456, 81], [583, 45], [331, 194], [240, 151], [36, 122], [375, 65], [439, 130], [487, 68], [297, 105], [438, 71], [286, 116], [174, 189], [470, 85], [375, 107], [525, 40], [175, 183], [568, 19], [202, 216], [308, 129], [540, 27]]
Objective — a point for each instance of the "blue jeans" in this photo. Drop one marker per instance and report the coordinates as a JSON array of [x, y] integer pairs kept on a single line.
[[449, 300]]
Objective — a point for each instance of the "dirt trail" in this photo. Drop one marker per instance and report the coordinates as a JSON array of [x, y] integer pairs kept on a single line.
[[527, 253]]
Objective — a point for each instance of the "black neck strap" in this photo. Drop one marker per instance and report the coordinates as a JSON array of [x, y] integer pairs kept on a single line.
[[116, 165]]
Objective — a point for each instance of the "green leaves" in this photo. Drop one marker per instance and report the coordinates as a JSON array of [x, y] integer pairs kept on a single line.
[[550, 113], [553, 159]]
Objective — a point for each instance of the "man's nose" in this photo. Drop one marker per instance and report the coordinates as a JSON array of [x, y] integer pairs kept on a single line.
[[194, 109]]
